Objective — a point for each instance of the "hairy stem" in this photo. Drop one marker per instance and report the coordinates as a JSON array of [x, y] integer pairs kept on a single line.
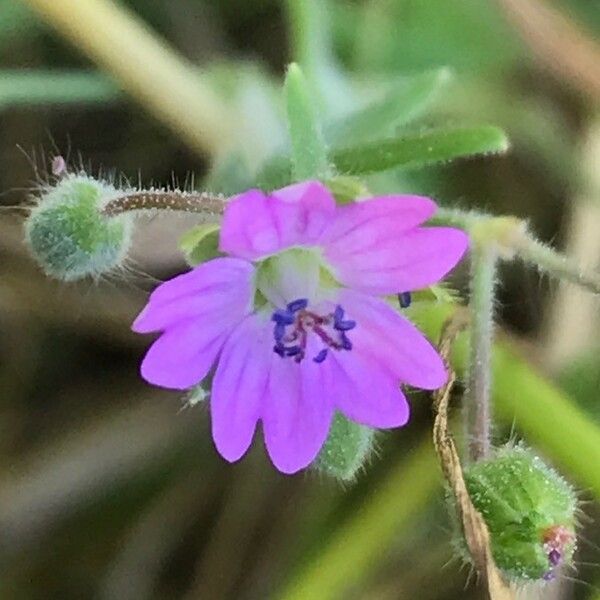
[[477, 409], [557, 265], [210, 205]]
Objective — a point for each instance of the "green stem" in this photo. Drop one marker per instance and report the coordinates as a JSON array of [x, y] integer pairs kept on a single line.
[[477, 401], [556, 264]]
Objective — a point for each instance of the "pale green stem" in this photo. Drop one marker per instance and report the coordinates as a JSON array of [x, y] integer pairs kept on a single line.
[[557, 265], [477, 404]]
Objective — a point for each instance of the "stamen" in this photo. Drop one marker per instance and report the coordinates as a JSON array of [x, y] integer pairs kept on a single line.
[[295, 322], [319, 358], [405, 299], [283, 317], [297, 305]]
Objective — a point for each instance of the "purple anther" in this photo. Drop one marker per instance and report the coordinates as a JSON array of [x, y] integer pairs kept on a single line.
[[404, 298], [319, 358], [282, 317], [554, 556], [345, 325], [279, 349], [293, 351], [297, 305], [346, 343], [338, 314], [548, 575], [279, 332]]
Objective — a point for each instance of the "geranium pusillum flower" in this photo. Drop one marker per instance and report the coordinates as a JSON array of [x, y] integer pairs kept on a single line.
[[294, 320]]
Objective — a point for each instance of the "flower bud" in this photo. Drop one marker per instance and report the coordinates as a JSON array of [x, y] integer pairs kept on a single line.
[[68, 234], [346, 449], [529, 510]]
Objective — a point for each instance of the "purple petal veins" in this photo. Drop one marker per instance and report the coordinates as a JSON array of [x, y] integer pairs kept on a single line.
[[302, 279]]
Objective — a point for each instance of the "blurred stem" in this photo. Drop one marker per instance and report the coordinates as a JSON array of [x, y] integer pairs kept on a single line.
[[558, 43], [357, 546], [477, 402], [165, 83]]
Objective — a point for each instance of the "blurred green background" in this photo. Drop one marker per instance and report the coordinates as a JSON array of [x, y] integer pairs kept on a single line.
[[107, 489]]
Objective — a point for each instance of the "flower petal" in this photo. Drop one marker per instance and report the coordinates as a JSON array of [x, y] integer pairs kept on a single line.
[[360, 225], [297, 412], [409, 261], [365, 392], [256, 225], [219, 288], [181, 357], [393, 342], [239, 387]]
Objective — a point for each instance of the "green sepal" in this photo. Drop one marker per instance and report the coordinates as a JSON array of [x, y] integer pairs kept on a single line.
[[346, 189], [526, 505], [347, 448], [201, 243], [309, 153]]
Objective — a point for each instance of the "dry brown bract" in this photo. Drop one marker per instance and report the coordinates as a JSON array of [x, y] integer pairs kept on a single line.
[[474, 528]]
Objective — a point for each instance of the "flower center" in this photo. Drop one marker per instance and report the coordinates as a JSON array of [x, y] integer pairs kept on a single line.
[[296, 321]]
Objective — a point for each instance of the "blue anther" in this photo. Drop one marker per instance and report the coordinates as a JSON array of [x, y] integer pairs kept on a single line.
[[297, 305], [283, 317], [346, 343], [279, 332], [338, 314], [293, 351], [405, 299], [345, 325], [319, 358]]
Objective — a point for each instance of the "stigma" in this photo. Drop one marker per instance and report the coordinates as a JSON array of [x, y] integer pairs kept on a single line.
[[293, 325]]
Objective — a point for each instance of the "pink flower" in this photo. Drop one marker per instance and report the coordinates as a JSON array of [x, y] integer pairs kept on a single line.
[[293, 319]]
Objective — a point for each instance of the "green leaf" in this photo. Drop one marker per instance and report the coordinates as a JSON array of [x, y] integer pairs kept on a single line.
[[406, 101], [409, 151], [419, 150], [54, 87], [200, 243], [309, 153]]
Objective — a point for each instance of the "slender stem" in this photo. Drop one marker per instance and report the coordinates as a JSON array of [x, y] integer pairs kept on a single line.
[[477, 409], [210, 205], [557, 265]]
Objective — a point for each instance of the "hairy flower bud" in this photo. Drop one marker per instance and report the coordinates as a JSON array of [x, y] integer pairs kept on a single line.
[[346, 449], [529, 510], [68, 234]]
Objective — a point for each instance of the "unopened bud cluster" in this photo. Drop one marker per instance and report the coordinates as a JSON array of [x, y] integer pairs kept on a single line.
[[68, 234], [530, 512]]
